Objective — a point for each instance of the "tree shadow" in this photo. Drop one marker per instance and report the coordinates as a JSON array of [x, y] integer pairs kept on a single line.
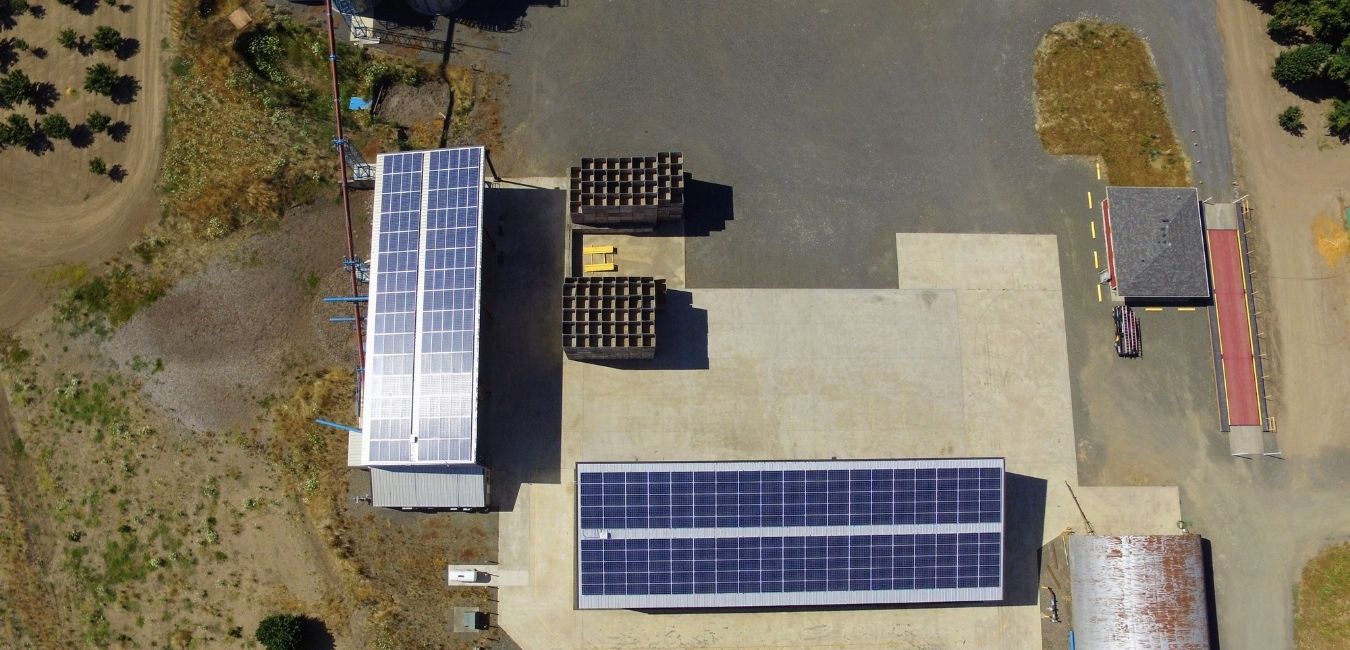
[[127, 48], [707, 207], [117, 173], [126, 89], [37, 11], [81, 137], [315, 635], [38, 52], [681, 338], [43, 96], [8, 55], [85, 7], [1318, 89], [119, 131], [39, 144]]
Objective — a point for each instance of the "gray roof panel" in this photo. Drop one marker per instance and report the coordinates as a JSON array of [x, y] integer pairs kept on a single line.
[[1158, 241]]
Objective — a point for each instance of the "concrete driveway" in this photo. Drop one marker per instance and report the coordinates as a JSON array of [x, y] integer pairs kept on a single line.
[[820, 130]]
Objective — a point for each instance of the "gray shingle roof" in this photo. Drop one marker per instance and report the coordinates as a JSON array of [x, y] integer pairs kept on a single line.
[[1159, 242]]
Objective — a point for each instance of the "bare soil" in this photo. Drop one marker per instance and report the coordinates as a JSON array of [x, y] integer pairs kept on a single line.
[[1098, 94], [52, 209], [1302, 298]]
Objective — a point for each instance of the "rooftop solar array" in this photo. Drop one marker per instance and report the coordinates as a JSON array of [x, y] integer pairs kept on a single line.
[[420, 393], [791, 533]]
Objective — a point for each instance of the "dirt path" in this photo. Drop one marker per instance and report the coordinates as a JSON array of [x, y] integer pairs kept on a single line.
[[1292, 181], [52, 210]]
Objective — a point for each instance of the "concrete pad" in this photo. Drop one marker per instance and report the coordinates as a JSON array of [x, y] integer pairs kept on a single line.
[[963, 261], [1130, 510], [967, 359], [654, 255]]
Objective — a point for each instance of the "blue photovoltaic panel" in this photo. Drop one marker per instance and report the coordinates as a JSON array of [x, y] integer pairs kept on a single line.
[[741, 534], [755, 498], [420, 396], [446, 377], [789, 564], [391, 320]]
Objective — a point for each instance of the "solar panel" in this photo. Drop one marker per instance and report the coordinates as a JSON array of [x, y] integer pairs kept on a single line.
[[420, 396], [654, 535]]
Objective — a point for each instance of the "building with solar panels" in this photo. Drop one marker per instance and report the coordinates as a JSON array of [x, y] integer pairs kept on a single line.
[[667, 535], [419, 389]]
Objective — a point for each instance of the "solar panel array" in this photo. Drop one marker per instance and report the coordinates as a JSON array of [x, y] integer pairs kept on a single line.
[[658, 535], [421, 370]]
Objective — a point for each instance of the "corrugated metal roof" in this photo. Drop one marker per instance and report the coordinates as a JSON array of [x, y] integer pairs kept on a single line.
[[428, 487], [355, 442], [1139, 592]]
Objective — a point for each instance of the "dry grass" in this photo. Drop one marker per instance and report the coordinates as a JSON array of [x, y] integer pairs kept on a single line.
[[1332, 239], [1098, 94], [1322, 607]]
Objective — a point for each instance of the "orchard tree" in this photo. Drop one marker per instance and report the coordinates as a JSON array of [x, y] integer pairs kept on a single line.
[[97, 122], [100, 79], [106, 39], [98, 167], [56, 126], [17, 130], [1300, 64], [68, 38], [1291, 120], [280, 632], [15, 88], [1338, 120]]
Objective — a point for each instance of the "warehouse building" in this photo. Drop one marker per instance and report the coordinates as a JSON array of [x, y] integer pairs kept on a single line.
[[1155, 245], [1139, 592], [671, 535], [419, 391]]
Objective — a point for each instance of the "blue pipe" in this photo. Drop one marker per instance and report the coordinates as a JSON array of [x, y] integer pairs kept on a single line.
[[335, 425], [342, 319], [346, 298]]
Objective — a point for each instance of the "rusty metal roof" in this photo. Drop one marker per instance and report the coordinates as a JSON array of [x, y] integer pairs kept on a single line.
[[1139, 592]]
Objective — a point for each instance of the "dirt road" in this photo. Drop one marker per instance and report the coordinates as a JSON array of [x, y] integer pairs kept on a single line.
[[52, 210]]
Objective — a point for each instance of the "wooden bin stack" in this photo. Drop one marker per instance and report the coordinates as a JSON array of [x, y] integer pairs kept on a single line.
[[627, 192], [610, 317]]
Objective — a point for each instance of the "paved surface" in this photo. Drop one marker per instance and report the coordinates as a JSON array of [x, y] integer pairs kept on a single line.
[[794, 373], [1235, 334], [827, 128]]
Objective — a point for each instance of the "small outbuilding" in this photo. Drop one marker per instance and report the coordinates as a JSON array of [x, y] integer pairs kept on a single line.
[[1142, 592], [1155, 244]]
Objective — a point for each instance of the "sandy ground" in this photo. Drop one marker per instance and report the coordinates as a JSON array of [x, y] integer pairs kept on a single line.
[[1292, 180], [52, 210]]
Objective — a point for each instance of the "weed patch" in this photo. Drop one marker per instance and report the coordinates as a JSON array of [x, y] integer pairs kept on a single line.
[[1098, 94], [1322, 603]]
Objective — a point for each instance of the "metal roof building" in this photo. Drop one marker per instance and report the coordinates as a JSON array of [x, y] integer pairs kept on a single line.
[[420, 384], [789, 533], [1155, 243], [1139, 593]]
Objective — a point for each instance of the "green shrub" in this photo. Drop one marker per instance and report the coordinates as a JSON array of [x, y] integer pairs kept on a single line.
[[280, 632], [1291, 120], [56, 126], [68, 38], [97, 122], [1300, 64], [98, 167]]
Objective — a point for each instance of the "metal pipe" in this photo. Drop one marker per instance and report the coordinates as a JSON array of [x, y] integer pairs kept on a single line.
[[334, 425], [351, 299], [342, 182], [341, 319]]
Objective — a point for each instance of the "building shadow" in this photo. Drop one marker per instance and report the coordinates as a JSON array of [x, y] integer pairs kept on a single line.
[[315, 635], [520, 414], [681, 337], [707, 207], [1211, 605], [500, 15], [1024, 521]]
